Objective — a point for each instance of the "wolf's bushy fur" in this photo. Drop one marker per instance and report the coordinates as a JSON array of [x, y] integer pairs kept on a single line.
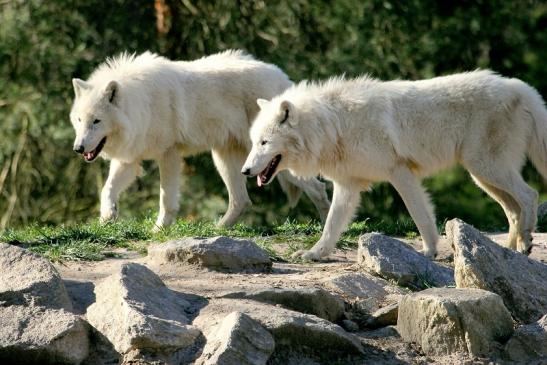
[[151, 108], [359, 131]]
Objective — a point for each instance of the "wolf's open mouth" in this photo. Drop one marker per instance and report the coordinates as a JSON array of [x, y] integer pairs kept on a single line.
[[92, 155], [265, 176]]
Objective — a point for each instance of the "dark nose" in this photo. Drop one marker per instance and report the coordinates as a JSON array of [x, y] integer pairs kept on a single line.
[[79, 149], [246, 172]]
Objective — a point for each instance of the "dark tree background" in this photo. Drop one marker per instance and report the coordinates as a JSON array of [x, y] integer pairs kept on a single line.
[[43, 44]]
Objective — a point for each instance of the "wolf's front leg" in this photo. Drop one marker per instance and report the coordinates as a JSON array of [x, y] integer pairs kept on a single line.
[[417, 203], [121, 175], [170, 169], [228, 163], [345, 199]]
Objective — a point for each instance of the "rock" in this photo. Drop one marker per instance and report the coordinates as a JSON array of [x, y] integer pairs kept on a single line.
[[238, 340], [292, 331], [350, 326], [395, 260], [481, 263], [28, 279], [364, 294], [358, 286], [318, 302], [217, 253], [81, 294], [385, 316], [136, 311], [36, 322], [382, 332], [445, 321], [35, 335], [529, 342], [360, 310]]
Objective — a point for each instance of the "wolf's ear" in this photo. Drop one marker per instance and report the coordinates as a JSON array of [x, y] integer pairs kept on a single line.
[[262, 103], [287, 112], [79, 87], [111, 92]]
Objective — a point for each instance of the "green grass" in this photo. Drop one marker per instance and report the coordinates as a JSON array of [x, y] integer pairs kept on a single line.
[[93, 241]]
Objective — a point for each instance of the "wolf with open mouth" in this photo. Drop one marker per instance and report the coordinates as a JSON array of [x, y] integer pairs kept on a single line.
[[356, 132], [146, 107]]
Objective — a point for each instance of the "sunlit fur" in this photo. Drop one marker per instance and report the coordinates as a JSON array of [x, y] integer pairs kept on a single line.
[[151, 108], [359, 131]]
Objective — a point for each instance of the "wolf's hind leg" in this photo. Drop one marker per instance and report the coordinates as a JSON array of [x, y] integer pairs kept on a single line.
[[313, 188], [417, 202], [509, 205], [228, 163], [345, 199], [120, 176], [170, 164], [510, 181]]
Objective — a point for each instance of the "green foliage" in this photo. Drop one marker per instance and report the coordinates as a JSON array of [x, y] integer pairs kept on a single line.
[[43, 44]]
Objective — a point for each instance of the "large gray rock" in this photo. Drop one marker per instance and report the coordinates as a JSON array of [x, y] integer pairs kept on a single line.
[[217, 253], [314, 301], [36, 335], [445, 321], [28, 279], [136, 311], [238, 339], [395, 260], [293, 332], [529, 342], [481, 263]]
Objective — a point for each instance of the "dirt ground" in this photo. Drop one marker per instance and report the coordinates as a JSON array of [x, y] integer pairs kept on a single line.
[[381, 346]]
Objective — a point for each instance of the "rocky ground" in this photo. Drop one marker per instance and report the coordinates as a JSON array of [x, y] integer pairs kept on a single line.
[[222, 301]]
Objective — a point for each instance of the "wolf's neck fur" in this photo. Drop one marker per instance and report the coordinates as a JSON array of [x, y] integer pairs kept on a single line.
[[320, 135]]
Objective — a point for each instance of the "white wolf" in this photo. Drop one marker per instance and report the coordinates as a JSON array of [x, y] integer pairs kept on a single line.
[[147, 107], [355, 132]]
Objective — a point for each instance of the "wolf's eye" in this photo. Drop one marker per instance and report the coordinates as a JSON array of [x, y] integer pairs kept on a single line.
[[263, 142], [96, 121]]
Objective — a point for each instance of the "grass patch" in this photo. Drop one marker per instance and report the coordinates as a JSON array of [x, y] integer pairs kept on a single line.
[[94, 241]]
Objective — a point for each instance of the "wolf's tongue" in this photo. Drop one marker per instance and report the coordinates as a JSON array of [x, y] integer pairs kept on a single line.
[[258, 180]]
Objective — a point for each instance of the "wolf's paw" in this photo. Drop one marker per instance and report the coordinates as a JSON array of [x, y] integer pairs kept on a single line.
[[430, 254], [225, 222], [157, 228], [306, 255], [108, 214], [163, 222]]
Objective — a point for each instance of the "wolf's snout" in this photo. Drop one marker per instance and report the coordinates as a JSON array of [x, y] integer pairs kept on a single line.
[[79, 149], [246, 171]]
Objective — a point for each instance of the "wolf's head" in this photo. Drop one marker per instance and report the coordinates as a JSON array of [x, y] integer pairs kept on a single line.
[[275, 138], [93, 116]]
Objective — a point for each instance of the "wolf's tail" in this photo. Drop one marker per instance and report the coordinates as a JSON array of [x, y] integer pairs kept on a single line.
[[292, 191], [537, 148]]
